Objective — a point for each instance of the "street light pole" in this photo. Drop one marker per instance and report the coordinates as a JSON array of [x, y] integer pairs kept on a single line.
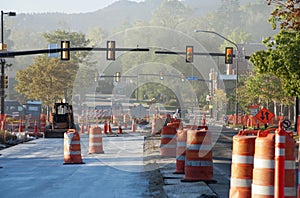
[[237, 66], [3, 60]]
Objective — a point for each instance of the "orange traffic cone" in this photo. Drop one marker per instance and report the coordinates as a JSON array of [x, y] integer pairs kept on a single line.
[[105, 127], [204, 120], [120, 129], [133, 127], [20, 126], [35, 129], [109, 128]]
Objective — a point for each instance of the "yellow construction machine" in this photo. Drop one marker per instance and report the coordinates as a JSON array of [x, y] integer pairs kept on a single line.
[[61, 120]]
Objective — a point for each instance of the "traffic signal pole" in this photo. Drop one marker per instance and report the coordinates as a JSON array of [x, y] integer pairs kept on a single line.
[[2, 85], [237, 66]]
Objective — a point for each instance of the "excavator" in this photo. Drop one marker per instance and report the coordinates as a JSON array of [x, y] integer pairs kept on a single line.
[[61, 120]]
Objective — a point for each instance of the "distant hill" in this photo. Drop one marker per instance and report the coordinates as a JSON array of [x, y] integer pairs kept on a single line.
[[108, 18]]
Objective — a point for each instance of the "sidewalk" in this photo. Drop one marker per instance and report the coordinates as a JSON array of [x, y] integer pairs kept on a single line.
[[172, 185]]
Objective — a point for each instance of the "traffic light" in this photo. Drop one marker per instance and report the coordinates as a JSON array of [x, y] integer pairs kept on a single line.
[[5, 82], [3, 47], [111, 50], [117, 76], [228, 55], [65, 53], [161, 75], [189, 58]]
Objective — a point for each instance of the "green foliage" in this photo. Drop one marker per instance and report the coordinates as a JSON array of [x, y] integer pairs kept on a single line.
[[261, 89], [5, 137], [282, 60], [76, 40], [46, 80], [170, 14], [49, 79], [287, 14]]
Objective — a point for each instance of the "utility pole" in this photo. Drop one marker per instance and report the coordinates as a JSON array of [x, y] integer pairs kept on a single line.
[[237, 67], [3, 48]]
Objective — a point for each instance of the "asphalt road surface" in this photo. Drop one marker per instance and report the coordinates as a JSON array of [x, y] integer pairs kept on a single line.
[[222, 152], [35, 169]]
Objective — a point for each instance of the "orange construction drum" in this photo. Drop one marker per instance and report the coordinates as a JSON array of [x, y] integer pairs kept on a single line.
[[72, 149], [180, 151], [95, 140], [242, 166], [168, 141], [198, 162], [264, 167]]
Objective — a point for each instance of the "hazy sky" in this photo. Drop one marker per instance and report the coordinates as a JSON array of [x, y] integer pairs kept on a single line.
[[66, 6]]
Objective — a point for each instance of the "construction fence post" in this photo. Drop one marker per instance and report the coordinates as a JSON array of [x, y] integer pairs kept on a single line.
[[279, 161]]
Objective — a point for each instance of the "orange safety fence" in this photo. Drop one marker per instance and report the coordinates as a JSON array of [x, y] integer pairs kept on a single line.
[[252, 121]]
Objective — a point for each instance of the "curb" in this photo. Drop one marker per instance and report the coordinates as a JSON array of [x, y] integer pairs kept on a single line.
[[172, 186]]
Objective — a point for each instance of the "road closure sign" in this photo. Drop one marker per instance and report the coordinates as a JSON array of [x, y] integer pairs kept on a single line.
[[264, 115], [139, 112]]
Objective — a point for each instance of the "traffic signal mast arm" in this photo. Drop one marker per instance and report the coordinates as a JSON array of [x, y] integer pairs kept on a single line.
[[11, 54], [196, 53]]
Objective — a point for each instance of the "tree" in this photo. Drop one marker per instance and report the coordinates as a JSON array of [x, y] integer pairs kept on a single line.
[[261, 89], [170, 14], [282, 60], [282, 55], [96, 36], [76, 40], [287, 14], [48, 79]]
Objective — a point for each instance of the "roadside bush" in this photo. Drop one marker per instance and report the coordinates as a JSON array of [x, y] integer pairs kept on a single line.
[[6, 136], [173, 102]]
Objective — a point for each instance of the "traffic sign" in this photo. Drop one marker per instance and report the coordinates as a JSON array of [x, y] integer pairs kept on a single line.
[[52, 46], [264, 115], [139, 111], [254, 109], [192, 78], [286, 124]]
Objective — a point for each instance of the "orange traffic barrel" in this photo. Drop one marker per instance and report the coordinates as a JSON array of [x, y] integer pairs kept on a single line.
[[198, 161], [72, 149], [242, 166], [95, 140], [180, 151], [264, 167], [168, 141]]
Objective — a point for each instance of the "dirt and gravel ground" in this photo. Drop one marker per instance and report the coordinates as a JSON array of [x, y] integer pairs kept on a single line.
[[155, 178], [162, 182]]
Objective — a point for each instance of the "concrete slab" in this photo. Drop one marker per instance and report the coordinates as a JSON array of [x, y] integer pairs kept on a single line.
[[172, 181], [188, 190]]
